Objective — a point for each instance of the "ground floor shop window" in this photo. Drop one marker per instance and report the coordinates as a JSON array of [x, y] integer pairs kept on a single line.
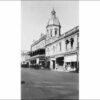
[[42, 64], [60, 61], [48, 65], [71, 65]]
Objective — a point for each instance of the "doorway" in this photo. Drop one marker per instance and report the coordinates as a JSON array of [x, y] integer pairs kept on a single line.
[[53, 64], [60, 61]]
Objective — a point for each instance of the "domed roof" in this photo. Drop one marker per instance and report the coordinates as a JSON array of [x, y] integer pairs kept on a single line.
[[53, 20]]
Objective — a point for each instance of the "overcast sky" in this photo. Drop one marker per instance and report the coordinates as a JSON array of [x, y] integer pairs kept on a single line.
[[35, 15]]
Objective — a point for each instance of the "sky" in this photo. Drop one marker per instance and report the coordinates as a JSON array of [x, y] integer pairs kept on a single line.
[[35, 15]]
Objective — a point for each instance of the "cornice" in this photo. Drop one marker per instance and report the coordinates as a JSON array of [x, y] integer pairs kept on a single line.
[[39, 40], [75, 30]]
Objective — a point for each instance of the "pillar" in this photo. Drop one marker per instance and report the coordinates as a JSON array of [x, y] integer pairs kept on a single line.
[[37, 61], [56, 66], [64, 65], [51, 64], [78, 61]]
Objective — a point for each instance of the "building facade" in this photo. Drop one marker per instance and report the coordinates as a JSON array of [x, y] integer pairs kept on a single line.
[[37, 53], [60, 51]]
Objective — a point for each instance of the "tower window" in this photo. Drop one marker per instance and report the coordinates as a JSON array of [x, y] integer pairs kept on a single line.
[[51, 32], [47, 33], [55, 31], [60, 46]]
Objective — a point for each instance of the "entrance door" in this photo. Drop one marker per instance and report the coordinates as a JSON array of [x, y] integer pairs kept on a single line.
[[48, 64], [53, 64], [60, 61]]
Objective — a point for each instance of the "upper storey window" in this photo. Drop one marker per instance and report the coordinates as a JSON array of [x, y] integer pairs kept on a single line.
[[47, 33], [51, 32], [72, 41], [67, 41], [53, 48]]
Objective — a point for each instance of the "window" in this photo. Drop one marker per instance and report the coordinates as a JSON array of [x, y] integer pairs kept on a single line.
[[77, 42], [60, 46], [53, 48], [51, 32], [67, 41], [47, 31], [51, 35], [72, 41], [55, 31]]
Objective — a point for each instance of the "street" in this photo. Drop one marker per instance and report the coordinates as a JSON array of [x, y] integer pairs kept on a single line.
[[46, 84]]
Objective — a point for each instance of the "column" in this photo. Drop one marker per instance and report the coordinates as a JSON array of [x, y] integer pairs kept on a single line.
[[56, 66], [78, 61], [51, 64], [64, 66], [37, 61]]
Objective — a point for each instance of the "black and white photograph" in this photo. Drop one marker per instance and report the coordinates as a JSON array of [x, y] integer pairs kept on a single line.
[[50, 50]]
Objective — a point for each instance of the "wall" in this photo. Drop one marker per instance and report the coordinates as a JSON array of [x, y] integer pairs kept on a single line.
[[53, 31], [54, 48], [50, 48], [75, 43]]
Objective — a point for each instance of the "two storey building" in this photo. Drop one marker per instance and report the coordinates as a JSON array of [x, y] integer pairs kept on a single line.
[[37, 52], [61, 49], [54, 50]]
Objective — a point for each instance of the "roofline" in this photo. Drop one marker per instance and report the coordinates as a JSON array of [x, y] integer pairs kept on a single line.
[[40, 39], [53, 25], [76, 28], [70, 32]]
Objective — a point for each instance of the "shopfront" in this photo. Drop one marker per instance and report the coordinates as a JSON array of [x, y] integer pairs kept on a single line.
[[71, 62], [59, 63]]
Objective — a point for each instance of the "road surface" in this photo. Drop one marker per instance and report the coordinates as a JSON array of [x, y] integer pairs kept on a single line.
[[45, 84]]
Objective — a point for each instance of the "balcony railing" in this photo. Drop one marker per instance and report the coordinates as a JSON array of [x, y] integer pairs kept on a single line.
[[37, 52]]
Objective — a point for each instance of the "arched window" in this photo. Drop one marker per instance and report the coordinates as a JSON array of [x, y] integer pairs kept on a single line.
[[72, 41], [51, 32], [47, 33], [67, 41], [55, 31]]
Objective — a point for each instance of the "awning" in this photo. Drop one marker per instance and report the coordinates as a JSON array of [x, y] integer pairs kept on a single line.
[[70, 58]]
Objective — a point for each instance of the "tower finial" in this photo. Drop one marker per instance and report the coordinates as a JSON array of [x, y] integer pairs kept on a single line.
[[53, 12]]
